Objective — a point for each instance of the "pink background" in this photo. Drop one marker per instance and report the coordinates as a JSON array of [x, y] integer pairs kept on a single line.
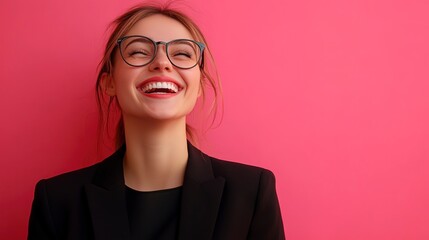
[[332, 96]]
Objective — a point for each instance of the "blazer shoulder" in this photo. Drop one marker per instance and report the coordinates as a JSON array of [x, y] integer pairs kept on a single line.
[[242, 176], [86, 175], [75, 177], [66, 187], [255, 191], [226, 168]]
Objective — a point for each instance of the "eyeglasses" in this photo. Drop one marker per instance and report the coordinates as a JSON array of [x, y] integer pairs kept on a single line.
[[138, 51]]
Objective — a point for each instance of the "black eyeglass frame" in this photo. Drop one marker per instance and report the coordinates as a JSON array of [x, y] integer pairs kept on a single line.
[[199, 44]]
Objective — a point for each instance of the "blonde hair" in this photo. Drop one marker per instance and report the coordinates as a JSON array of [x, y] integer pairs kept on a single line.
[[121, 26]]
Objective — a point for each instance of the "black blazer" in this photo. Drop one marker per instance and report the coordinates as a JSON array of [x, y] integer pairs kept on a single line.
[[220, 200]]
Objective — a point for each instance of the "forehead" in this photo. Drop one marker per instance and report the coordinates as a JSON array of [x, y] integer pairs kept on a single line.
[[160, 28]]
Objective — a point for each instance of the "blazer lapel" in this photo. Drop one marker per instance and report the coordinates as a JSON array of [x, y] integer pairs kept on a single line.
[[201, 198], [106, 199]]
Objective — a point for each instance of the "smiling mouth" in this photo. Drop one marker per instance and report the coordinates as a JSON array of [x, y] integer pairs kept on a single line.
[[159, 88]]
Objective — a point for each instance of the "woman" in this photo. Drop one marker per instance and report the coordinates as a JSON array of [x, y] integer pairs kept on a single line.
[[157, 185]]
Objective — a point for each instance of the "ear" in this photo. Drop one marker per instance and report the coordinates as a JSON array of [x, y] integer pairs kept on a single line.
[[108, 84]]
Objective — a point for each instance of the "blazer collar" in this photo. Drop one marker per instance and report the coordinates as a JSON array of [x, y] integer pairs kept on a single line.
[[201, 196]]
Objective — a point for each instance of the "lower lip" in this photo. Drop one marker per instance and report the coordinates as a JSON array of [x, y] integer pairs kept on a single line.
[[159, 95]]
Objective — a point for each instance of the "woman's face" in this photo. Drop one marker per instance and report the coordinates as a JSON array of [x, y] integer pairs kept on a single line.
[[136, 88]]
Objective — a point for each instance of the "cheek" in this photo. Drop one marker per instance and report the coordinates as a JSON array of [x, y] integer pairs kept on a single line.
[[194, 80], [122, 72], [124, 76]]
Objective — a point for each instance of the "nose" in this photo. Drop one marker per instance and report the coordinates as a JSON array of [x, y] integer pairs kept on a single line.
[[161, 61]]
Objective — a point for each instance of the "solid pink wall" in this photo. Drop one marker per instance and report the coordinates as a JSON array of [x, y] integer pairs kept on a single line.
[[332, 96]]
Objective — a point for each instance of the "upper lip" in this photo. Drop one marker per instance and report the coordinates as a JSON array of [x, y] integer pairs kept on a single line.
[[160, 79]]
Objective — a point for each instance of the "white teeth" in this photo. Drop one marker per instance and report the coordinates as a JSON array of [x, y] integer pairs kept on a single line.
[[160, 85]]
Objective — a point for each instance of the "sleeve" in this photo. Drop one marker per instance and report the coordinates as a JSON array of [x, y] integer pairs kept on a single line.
[[40, 224], [267, 220]]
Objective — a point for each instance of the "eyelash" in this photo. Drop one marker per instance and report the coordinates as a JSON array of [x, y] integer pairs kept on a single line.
[[184, 53], [137, 52]]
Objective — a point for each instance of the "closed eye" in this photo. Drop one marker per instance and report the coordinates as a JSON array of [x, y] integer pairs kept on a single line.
[[182, 54], [136, 53]]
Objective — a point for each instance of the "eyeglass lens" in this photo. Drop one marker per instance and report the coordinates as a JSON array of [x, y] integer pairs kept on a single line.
[[139, 51]]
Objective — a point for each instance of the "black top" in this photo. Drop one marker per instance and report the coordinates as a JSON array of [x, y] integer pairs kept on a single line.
[[153, 215]]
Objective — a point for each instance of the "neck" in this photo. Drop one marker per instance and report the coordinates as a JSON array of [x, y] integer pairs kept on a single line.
[[156, 154]]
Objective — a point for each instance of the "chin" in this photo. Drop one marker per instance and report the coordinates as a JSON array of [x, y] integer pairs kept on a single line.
[[166, 116]]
